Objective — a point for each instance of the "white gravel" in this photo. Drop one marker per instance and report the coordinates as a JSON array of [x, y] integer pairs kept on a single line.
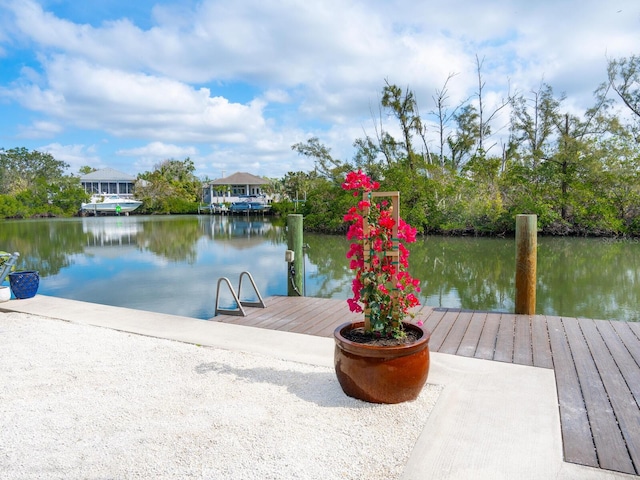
[[82, 402]]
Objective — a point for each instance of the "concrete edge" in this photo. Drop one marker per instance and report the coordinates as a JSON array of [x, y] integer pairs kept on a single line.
[[284, 345]]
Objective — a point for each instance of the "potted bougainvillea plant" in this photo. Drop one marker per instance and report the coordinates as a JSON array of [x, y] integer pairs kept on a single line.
[[385, 357]]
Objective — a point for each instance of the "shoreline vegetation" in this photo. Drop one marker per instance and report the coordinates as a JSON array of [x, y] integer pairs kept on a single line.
[[461, 169]]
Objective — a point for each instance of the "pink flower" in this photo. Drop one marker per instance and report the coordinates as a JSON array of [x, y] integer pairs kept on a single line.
[[359, 181], [374, 259], [354, 306]]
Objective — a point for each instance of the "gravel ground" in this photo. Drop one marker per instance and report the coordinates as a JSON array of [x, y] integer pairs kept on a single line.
[[85, 402]]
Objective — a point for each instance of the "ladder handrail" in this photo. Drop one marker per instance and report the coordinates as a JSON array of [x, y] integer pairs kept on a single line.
[[238, 310], [8, 265], [259, 303]]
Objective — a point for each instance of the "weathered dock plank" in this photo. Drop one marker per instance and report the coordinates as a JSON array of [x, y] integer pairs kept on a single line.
[[620, 379], [576, 431], [522, 347], [541, 346], [610, 445], [433, 320], [469, 343], [451, 342], [505, 339], [439, 334], [487, 343]]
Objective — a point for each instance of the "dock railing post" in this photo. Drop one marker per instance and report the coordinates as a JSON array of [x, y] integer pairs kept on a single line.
[[526, 257], [295, 268]]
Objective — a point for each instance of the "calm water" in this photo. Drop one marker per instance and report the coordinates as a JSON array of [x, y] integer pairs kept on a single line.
[[171, 264]]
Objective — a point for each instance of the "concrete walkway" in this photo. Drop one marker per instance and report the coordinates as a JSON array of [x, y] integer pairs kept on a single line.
[[492, 420]]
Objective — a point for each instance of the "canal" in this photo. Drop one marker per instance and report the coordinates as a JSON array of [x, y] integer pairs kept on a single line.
[[171, 264]]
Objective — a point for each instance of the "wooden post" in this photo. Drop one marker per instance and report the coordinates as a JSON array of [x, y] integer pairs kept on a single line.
[[526, 257], [295, 269]]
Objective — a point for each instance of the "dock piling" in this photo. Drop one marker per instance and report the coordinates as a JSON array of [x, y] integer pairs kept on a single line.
[[295, 268], [526, 258]]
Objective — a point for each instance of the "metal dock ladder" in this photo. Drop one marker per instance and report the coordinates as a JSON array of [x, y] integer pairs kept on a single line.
[[9, 261], [239, 310]]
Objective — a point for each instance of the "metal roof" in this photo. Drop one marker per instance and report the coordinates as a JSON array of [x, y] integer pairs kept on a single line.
[[240, 178], [107, 175]]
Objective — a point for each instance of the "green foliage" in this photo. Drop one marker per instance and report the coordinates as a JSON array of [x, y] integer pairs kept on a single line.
[[10, 207], [171, 187], [86, 169], [283, 208], [68, 196], [578, 174], [403, 106], [34, 184], [21, 169], [463, 142], [179, 205], [325, 207], [296, 185], [417, 194]]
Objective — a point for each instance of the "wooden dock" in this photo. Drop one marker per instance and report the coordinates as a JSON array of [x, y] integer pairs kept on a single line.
[[596, 362]]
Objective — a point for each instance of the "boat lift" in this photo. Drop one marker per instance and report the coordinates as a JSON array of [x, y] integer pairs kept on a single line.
[[238, 310]]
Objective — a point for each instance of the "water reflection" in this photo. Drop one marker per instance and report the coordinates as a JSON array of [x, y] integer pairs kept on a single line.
[[591, 278], [328, 274], [171, 264], [44, 245], [241, 232], [116, 231], [588, 275], [471, 273]]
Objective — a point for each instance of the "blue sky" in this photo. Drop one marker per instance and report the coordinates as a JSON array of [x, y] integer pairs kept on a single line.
[[232, 84]]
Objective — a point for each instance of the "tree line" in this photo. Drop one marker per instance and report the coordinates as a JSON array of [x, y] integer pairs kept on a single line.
[[578, 172], [35, 184]]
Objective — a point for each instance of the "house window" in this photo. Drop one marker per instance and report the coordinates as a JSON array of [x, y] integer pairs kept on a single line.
[[90, 187]]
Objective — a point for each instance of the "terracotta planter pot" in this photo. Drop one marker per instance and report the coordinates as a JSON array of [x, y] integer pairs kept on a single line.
[[380, 374]]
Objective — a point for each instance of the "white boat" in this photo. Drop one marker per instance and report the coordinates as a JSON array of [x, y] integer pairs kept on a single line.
[[110, 203]]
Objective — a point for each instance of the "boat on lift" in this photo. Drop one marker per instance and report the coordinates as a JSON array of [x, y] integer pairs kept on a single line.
[[250, 204], [110, 203]]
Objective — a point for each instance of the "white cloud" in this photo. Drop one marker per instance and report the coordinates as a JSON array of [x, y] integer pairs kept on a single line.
[[276, 96], [237, 82], [159, 150], [75, 155], [40, 129], [148, 156], [138, 105]]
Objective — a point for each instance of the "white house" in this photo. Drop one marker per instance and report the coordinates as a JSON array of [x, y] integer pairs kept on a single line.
[[109, 181], [239, 187]]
